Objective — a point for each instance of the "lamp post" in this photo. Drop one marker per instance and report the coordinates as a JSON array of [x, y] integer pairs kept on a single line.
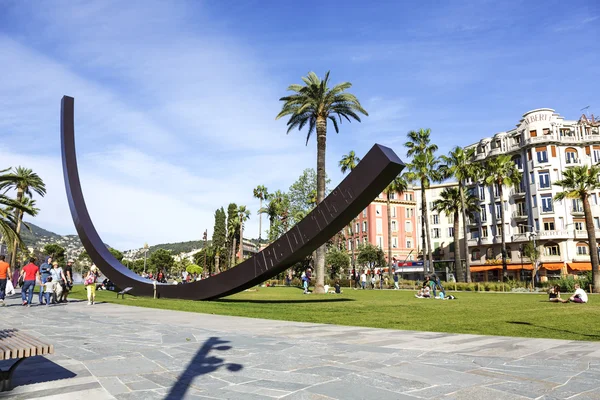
[[145, 254]]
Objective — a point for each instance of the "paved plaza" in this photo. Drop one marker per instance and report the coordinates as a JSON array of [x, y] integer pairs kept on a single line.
[[109, 351]]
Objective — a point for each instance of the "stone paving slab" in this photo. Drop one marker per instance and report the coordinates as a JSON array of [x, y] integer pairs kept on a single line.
[[108, 351]]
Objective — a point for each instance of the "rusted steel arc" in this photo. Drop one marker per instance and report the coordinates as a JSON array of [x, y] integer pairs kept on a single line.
[[376, 170]]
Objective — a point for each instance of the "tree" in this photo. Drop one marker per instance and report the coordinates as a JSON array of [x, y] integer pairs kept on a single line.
[[261, 193], [233, 224], [313, 104], [371, 256], [577, 183], [423, 168], [161, 260], [302, 194], [338, 260], [450, 203], [348, 163], [26, 206], [243, 216], [219, 237], [500, 171], [116, 254], [8, 222], [194, 269], [207, 254], [532, 252], [458, 164], [55, 251], [25, 182], [398, 185], [278, 211]]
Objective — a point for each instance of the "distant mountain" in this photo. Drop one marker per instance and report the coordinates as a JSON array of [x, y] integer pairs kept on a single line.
[[31, 237]]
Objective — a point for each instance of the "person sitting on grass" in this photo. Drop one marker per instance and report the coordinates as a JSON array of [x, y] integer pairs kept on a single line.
[[424, 293], [554, 295], [580, 296]]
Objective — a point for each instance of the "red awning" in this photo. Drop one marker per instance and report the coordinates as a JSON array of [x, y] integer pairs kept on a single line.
[[553, 266]]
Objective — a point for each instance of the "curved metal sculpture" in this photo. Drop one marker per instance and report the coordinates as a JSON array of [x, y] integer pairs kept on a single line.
[[377, 169]]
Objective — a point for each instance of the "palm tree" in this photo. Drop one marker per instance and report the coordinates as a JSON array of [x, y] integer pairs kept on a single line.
[[577, 183], [502, 171], [8, 222], [25, 182], [451, 203], [348, 163], [423, 168], [313, 104], [243, 215], [232, 230], [276, 209], [458, 164], [29, 208], [398, 185], [261, 193]]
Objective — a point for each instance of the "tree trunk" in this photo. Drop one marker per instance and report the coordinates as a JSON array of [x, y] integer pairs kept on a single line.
[[457, 262], [233, 257], [260, 222], [427, 233], [217, 257], [18, 217], [504, 266], [320, 259], [592, 244], [241, 241], [389, 232], [463, 205]]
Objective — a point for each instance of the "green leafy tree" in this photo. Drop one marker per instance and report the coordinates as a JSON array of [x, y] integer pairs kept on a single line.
[[27, 206], [233, 226], [8, 222], [243, 216], [458, 164], [424, 169], [55, 251], [303, 193], [205, 258], [161, 260], [501, 171], [194, 269], [371, 256], [397, 186], [450, 203], [219, 238], [577, 183], [338, 260], [312, 105], [261, 193], [532, 252], [278, 212], [25, 182], [116, 254]]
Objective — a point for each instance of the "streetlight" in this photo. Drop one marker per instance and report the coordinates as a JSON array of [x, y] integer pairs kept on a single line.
[[145, 253]]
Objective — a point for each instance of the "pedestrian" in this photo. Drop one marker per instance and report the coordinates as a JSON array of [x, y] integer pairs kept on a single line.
[[363, 280], [381, 278], [58, 278], [44, 270], [48, 289], [4, 275], [90, 284], [30, 274], [396, 287], [68, 271]]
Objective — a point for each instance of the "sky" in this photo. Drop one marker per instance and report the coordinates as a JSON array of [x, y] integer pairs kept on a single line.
[[175, 101]]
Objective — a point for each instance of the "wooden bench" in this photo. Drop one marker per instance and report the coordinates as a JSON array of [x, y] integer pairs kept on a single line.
[[122, 292], [15, 344]]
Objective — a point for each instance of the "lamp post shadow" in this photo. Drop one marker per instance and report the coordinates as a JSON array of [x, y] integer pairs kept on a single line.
[[202, 364]]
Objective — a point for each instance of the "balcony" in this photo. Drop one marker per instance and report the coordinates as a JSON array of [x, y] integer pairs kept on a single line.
[[577, 211], [480, 156], [473, 242], [496, 151], [520, 214]]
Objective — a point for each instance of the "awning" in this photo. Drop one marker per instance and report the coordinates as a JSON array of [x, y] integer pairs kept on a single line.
[[512, 267], [580, 266], [556, 266], [485, 268]]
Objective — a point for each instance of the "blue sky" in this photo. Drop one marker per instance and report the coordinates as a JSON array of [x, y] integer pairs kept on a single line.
[[175, 100]]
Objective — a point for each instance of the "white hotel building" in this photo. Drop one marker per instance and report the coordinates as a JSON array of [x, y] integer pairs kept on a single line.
[[542, 145]]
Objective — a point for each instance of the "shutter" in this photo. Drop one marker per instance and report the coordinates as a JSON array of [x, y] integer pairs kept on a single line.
[[532, 133], [553, 151], [529, 154], [588, 151], [541, 148], [548, 220]]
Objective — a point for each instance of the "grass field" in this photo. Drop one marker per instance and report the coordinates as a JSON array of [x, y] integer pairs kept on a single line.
[[505, 314]]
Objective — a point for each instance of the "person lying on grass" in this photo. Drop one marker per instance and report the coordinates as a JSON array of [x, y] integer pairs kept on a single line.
[[554, 295]]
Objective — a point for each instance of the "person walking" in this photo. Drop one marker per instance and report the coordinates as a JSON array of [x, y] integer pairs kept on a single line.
[[4, 276], [90, 284], [58, 278], [68, 271], [30, 274], [44, 271], [396, 287]]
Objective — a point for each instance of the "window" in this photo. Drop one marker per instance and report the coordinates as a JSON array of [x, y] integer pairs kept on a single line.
[[577, 206], [484, 231], [380, 242], [394, 226], [475, 255], [357, 243], [451, 232], [408, 226], [518, 162], [546, 202], [523, 229], [409, 212], [542, 156], [546, 131], [350, 230], [579, 226], [582, 249], [435, 219], [409, 244], [392, 196], [536, 222], [395, 242], [549, 225], [365, 212], [571, 156], [532, 178], [349, 244], [481, 193], [451, 247], [551, 249], [544, 179], [364, 226], [596, 155], [408, 196], [483, 214], [435, 233], [393, 212], [474, 234], [534, 200], [379, 225], [357, 228], [378, 209], [496, 190], [597, 222], [593, 199], [498, 210]]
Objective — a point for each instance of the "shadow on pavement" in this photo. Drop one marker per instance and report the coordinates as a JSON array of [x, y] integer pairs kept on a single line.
[[36, 369], [202, 364], [551, 328], [283, 301]]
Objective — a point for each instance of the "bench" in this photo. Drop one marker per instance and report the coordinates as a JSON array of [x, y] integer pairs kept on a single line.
[[15, 344], [122, 292]]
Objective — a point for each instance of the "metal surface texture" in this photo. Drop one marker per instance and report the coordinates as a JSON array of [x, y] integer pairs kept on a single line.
[[376, 170]]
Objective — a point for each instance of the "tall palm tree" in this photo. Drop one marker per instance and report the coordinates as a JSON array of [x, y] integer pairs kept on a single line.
[[451, 203], [577, 183], [398, 185], [348, 163], [233, 223], [29, 208], [313, 104], [243, 215], [501, 171], [261, 193], [8, 222], [423, 168], [458, 164], [25, 182]]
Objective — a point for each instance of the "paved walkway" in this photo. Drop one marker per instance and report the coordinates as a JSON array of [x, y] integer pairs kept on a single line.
[[108, 351]]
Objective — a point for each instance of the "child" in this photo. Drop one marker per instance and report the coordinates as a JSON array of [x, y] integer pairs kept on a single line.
[[48, 289]]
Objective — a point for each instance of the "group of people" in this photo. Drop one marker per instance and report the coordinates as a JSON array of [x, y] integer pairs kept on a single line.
[[430, 286], [373, 279], [580, 296]]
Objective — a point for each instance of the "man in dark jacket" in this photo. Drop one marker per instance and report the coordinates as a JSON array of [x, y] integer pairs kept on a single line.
[[45, 270]]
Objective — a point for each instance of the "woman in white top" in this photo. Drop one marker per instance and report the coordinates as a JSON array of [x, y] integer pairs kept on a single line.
[[580, 296]]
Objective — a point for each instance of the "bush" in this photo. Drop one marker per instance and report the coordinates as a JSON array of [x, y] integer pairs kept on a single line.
[[567, 284]]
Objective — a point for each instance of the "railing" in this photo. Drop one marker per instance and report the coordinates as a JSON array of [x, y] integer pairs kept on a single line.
[[577, 210], [496, 151], [520, 214]]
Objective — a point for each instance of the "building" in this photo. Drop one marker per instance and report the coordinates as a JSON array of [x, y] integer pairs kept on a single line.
[[370, 226], [542, 145]]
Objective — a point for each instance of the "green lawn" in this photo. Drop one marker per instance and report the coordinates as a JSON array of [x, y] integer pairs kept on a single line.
[[506, 314]]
